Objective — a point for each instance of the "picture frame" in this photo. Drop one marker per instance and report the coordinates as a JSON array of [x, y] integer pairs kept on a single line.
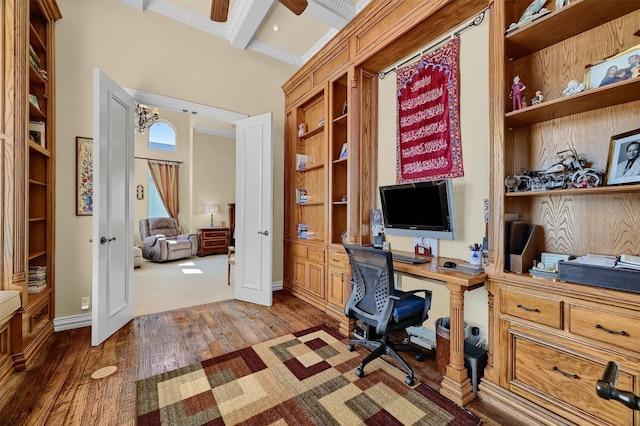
[[622, 149], [84, 176], [37, 133], [603, 73]]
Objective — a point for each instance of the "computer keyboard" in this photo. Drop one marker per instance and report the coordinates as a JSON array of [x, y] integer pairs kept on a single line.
[[408, 259]]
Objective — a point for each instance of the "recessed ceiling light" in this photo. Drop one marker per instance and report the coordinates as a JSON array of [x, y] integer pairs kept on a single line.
[[276, 28]]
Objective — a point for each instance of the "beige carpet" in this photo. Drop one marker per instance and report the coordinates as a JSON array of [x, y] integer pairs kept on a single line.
[[160, 287]]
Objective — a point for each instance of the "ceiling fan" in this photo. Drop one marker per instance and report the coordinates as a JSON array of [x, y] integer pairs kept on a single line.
[[220, 8]]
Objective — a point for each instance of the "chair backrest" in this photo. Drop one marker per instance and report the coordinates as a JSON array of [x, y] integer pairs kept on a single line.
[[166, 226], [373, 283]]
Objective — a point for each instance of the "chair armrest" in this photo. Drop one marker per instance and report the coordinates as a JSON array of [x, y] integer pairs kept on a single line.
[[404, 294], [185, 236], [151, 240]]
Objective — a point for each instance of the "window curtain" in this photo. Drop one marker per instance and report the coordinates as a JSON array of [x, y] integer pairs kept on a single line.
[[165, 177]]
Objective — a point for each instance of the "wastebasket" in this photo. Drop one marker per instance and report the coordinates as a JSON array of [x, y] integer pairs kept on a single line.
[[443, 343]]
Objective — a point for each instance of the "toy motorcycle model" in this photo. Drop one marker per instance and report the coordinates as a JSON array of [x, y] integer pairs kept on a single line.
[[569, 172]]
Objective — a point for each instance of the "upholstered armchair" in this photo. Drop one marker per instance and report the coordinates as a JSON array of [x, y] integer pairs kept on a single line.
[[162, 240]]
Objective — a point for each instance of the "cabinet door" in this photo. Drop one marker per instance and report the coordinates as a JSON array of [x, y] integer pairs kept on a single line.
[[299, 268], [335, 293], [315, 278]]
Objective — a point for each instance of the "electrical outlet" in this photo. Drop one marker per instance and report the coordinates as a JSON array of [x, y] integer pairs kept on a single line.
[[84, 303]]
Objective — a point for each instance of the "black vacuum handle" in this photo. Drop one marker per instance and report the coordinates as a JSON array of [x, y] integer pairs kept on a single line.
[[606, 388]]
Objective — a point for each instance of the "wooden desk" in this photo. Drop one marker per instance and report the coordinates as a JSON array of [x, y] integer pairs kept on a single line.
[[455, 384]]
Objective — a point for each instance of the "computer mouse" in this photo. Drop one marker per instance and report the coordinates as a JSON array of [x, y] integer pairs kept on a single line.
[[450, 264]]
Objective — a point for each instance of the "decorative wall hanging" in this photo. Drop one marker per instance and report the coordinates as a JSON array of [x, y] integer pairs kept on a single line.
[[84, 176], [428, 129]]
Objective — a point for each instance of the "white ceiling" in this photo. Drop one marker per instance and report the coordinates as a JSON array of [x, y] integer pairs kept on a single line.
[[250, 23]]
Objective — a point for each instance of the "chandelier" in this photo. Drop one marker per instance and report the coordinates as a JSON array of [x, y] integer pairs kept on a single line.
[[144, 118]]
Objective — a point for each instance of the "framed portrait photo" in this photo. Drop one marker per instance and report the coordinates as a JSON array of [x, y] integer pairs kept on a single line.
[[84, 176], [623, 165], [620, 67]]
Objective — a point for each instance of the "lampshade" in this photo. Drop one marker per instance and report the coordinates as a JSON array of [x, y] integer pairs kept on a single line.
[[211, 208]]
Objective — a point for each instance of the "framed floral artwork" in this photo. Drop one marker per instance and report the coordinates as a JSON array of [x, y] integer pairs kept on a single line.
[[84, 176]]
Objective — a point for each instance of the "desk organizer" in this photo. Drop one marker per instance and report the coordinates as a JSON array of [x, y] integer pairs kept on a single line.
[[600, 276]]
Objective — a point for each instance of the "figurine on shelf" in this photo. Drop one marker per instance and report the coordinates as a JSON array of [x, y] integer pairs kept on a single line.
[[516, 93], [561, 3], [537, 98], [533, 11], [301, 129], [573, 87]]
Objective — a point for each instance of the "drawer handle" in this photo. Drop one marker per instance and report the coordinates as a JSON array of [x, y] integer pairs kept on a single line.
[[37, 316], [529, 309], [622, 332], [571, 376]]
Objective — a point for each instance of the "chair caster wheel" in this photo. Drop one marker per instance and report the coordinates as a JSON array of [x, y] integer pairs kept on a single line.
[[359, 372], [350, 347], [408, 380], [419, 356]]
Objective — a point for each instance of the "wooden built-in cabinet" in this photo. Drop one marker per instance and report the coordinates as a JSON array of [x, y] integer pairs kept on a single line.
[[549, 342], [332, 101], [28, 137]]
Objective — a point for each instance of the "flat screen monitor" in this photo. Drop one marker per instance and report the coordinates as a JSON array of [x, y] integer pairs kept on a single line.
[[421, 209]]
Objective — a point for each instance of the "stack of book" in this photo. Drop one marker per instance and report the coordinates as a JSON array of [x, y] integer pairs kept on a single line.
[[628, 261], [301, 196], [37, 279], [303, 231]]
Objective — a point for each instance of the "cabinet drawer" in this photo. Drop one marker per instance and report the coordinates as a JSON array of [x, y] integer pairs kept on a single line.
[[567, 379], [541, 309], [35, 318], [300, 251], [317, 255], [615, 328], [338, 260], [215, 234], [218, 242]]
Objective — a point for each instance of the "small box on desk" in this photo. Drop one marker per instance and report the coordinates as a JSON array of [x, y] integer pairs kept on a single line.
[[600, 276]]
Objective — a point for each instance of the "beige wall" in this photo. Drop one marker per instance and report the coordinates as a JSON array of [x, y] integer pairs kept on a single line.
[[214, 177], [148, 52], [471, 190]]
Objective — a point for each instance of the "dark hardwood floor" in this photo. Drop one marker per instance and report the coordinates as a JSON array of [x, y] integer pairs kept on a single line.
[[57, 388]]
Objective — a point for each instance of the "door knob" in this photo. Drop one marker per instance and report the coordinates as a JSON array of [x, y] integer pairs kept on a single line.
[[263, 233], [103, 240]]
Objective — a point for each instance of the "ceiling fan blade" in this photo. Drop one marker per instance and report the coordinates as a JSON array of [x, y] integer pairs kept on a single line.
[[296, 6], [219, 10]]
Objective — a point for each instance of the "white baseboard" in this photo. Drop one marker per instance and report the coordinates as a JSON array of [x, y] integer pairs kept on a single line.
[[277, 285], [71, 322]]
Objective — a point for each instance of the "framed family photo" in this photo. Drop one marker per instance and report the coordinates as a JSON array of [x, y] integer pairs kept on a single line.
[[624, 165], [84, 176], [620, 67]]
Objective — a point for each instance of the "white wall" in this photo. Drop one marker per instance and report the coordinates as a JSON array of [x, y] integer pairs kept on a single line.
[[145, 51], [471, 190]]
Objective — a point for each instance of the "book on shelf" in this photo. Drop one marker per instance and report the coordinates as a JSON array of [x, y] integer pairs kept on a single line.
[[37, 132], [301, 196], [34, 101], [303, 231], [301, 161], [38, 289]]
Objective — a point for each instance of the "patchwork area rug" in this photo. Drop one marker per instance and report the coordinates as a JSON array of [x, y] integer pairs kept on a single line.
[[304, 378]]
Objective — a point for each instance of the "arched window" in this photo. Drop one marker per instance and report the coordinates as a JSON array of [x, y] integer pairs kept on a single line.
[[162, 136]]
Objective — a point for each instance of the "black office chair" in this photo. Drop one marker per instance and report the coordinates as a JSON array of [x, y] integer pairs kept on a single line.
[[375, 302]]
